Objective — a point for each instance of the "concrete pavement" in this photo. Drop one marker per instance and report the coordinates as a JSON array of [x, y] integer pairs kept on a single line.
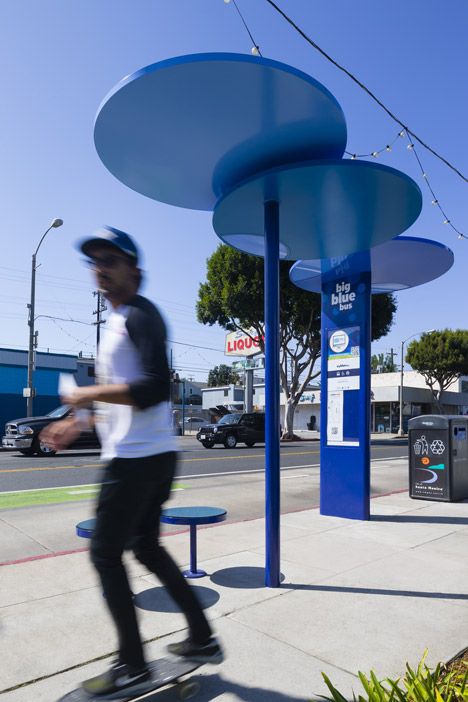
[[354, 596]]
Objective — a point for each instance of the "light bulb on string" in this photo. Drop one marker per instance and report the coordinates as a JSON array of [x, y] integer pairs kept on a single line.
[[388, 147], [435, 202], [374, 154], [446, 221], [255, 51]]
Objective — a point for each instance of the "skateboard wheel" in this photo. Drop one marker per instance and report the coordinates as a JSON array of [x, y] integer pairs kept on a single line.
[[188, 690]]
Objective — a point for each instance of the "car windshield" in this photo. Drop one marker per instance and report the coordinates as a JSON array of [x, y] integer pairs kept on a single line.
[[230, 419], [59, 411]]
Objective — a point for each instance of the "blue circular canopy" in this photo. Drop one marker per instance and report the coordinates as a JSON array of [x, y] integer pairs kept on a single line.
[[327, 208], [186, 130], [399, 264]]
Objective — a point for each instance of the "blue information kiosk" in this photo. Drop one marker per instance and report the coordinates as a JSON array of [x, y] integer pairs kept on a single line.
[[346, 285]]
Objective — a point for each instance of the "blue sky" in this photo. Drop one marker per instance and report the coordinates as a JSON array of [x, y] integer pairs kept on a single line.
[[61, 57]]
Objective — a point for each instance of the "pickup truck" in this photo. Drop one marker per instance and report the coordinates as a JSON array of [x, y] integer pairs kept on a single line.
[[23, 434]]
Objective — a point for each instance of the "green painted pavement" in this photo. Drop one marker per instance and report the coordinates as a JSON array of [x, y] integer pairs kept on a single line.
[[48, 496]]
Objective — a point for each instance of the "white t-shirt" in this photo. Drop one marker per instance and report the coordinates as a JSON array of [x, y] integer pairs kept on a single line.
[[133, 351]]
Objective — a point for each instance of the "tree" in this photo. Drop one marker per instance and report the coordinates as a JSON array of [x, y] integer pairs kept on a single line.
[[222, 375], [232, 297], [441, 357], [383, 363]]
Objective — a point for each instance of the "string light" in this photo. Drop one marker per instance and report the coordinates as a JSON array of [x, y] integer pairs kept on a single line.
[[255, 50], [387, 148], [411, 147], [435, 199]]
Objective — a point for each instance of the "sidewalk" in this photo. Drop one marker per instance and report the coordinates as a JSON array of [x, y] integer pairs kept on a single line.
[[355, 596]]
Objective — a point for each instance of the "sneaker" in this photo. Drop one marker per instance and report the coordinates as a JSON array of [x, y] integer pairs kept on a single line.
[[209, 652], [118, 681]]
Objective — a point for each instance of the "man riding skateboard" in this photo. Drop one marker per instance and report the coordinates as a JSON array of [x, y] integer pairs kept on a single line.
[[132, 418]]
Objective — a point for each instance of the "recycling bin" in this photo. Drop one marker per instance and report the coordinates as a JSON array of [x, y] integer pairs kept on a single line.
[[438, 457]]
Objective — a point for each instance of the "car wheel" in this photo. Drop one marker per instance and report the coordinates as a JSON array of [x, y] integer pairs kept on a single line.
[[250, 443], [207, 444], [42, 449], [230, 441]]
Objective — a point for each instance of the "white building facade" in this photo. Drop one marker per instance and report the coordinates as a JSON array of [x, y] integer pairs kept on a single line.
[[385, 401]]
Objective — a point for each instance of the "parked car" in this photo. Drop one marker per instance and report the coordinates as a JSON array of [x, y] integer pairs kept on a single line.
[[247, 428], [23, 434]]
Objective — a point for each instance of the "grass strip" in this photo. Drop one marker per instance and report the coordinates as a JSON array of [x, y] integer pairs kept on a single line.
[[49, 496]]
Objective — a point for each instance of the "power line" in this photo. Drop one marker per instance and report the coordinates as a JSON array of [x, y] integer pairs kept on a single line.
[[366, 90], [194, 346]]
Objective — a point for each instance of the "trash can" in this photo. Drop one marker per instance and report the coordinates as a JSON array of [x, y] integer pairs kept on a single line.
[[438, 457]]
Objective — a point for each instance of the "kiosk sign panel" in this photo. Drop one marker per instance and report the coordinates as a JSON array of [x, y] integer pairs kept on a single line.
[[343, 362]]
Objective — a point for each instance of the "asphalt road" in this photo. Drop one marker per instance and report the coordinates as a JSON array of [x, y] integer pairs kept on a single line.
[[72, 468]]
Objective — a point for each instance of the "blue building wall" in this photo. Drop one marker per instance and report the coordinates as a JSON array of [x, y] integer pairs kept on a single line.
[[13, 378]]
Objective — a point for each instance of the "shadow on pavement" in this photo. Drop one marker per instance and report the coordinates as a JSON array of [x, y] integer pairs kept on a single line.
[[244, 577], [250, 577], [156, 599], [212, 686], [414, 519], [378, 591]]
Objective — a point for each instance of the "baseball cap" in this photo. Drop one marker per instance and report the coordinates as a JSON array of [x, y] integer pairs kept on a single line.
[[112, 237]]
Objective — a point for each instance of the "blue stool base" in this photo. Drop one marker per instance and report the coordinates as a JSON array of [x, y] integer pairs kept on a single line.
[[193, 574]]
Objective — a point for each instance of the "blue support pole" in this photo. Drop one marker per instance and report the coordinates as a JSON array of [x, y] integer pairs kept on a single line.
[[272, 396], [193, 548]]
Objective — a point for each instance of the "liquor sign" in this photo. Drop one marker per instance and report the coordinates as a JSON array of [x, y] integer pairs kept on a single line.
[[242, 343]]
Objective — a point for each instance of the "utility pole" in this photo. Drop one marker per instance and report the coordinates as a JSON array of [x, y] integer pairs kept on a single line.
[[101, 307]]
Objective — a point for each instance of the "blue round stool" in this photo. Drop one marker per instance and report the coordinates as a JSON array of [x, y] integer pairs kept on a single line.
[[193, 516], [85, 528]]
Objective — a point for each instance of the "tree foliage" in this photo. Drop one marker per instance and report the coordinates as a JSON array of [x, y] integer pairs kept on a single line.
[[383, 363], [222, 375], [441, 357], [232, 297]]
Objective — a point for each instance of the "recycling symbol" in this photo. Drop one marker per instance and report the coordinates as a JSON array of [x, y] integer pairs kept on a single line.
[[437, 447]]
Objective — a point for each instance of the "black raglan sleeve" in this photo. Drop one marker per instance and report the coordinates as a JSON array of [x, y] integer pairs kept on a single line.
[[147, 332]]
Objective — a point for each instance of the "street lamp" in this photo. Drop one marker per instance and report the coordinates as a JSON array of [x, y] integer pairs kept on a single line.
[[429, 331], [32, 341]]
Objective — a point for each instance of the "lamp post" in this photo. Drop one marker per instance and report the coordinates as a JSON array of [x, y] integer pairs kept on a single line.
[[400, 430], [32, 342]]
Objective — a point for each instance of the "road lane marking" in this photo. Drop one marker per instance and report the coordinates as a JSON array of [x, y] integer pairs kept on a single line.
[[38, 469]]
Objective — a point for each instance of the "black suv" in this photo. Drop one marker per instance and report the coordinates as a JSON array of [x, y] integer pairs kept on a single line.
[[247, 428], [23, 434]]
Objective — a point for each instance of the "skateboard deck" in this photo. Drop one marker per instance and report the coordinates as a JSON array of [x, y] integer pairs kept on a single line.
[[164, 671]]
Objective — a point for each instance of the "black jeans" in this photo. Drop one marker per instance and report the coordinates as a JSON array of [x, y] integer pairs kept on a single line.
[[128, 514]]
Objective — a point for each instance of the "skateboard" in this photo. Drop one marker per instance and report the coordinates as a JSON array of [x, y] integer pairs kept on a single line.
[[164, 671]]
